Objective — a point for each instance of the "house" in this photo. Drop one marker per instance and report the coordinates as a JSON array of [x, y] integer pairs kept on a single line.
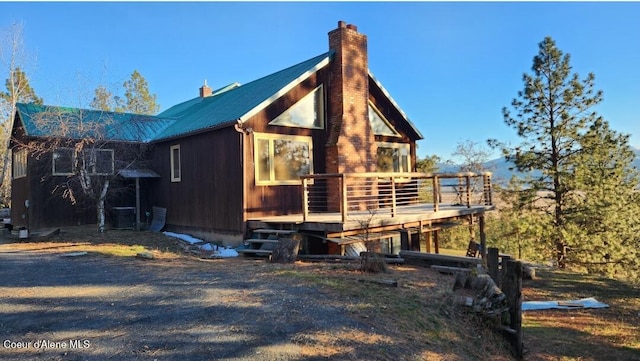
[[312, 148]]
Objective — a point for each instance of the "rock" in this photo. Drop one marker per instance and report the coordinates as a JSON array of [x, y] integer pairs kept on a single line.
[[145, 255], [528, 272]]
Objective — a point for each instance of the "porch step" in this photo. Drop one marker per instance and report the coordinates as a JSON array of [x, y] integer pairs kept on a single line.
[[263, 241]]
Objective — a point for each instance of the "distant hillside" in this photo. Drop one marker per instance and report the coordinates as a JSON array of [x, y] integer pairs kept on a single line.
[[500, 168]]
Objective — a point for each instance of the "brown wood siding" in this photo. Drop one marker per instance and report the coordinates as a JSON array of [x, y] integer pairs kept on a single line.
[[48, 208], [271, 200], [19, 193], [209, 194], [390, 112]]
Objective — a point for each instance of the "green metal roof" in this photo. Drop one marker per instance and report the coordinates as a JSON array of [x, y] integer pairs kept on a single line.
[[75, 123], [228, 105], [232, 105]]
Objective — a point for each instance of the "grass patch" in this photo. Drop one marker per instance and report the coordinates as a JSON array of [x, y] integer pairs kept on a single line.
[[419, 313], [572, 335]]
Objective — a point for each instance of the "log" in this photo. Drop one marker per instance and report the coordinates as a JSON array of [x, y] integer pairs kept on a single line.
[[383, 282], [428, 259], [450, 270], [286, 251]]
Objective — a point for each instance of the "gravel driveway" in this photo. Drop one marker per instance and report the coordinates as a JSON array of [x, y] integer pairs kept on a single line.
[[94, 307]]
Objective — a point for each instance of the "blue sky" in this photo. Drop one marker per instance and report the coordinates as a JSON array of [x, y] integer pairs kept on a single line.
[[450, 66]]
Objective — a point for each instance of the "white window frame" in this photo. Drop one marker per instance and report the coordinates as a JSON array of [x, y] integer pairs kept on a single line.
[[175, 177], [402, 147], [384, 120], [319, 110], [19, 163], [271, 138]]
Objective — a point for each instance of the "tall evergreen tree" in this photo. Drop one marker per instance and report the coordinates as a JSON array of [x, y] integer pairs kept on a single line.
[[18, 90], [606, 205], [138, 99], [102, 99], [550, 116]]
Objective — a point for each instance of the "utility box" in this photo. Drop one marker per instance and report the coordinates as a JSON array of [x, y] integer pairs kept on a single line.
[[124, 217]]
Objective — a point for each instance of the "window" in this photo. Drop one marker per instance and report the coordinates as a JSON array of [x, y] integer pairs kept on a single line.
[[308, 112], [63, 161], [98, 161], [282, 159], [19, 163], [175, 163], [393, 157], [379, 123], [94, 161]]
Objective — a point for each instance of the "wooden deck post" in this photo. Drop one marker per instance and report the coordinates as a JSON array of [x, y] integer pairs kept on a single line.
[[468, 192], [305, 199], [393, 196], [343, 201], [486, 178], [436, 193], [435, 242], [427, 240], [404, 240]]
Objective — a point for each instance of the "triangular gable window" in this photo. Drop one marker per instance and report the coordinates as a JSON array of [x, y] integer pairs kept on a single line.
[[379, 124], [308, 112]]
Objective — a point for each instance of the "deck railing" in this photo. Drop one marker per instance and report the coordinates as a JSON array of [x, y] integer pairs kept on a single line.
[[384, 192]]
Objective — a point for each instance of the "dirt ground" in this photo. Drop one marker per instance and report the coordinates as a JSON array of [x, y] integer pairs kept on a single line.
[[109, 305], [93, 307]]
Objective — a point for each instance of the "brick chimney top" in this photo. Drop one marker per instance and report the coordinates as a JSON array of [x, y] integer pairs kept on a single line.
[[205, 91], [344, 25]]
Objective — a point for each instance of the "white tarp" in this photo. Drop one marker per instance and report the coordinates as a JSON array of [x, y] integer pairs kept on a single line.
[[216, 251], [565, 305]]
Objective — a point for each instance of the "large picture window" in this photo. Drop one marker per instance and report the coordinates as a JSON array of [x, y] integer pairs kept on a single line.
[[282, 159], [94, 161], [393, 157], [19, 163], [308, 112], [176, 170]]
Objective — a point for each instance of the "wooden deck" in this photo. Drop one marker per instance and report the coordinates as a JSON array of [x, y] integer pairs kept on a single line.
[[339, 206], [420, 216]]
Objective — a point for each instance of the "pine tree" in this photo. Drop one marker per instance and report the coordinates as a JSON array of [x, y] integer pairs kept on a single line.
[[102, 99], [606, 205], [137, 97], [18, 90], [550, 115]]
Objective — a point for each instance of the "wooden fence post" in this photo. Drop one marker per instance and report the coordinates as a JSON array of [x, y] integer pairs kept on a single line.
[[493, 265], [512, 288]]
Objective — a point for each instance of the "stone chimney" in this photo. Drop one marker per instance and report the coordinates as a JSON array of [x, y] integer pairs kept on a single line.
[[205, 91], [351, 144]]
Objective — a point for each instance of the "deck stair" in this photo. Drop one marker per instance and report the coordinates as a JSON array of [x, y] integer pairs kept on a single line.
[[263, 241]]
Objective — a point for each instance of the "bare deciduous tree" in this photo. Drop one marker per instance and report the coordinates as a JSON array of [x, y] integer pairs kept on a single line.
[[83, 154], [18, 89]]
